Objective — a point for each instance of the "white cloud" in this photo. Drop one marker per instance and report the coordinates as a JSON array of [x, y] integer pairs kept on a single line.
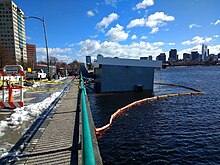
[[89, 46], [158, 44], [63, 54], [216, 36], [133, 37], [171, 44], [136, 22], [117, 34], [90, 13], [216, 22], [113, 49], [158, 19], [106, 21], [154, 21], [144, 4], [193, 25], [54, 50], [214, 49], [144, 37], [197, 40], [154, 30]]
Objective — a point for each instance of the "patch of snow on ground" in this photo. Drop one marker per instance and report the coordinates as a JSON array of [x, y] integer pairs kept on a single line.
[[26, 113]]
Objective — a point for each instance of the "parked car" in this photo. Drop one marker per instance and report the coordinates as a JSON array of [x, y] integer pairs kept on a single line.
[[36, 74]]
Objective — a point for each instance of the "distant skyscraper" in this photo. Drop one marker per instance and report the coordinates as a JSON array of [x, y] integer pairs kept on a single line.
[[88, 60], [194, 56], [173, 55], [161, 57], [12, 31], [186, 56], [31, 55], [204, 52]]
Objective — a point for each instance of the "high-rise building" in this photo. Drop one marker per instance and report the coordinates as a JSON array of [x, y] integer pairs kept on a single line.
[[194, 56], [31, 56], [173, 55], [205, 52], [161, 57], [186, 56], [88, 62], [12, 31]]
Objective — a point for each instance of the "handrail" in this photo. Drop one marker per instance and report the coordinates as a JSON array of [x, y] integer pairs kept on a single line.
[[88, 155]]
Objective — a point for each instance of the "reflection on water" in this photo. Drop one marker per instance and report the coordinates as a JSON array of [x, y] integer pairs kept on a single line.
[[177, 130]]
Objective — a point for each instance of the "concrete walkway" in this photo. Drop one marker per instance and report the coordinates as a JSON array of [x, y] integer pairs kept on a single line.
[[57, 140]]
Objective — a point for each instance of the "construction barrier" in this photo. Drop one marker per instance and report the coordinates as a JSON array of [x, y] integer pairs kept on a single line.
[[10, 71], [100, 130]]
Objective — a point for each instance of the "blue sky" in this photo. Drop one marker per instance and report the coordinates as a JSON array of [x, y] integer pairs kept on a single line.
[[122, 28]]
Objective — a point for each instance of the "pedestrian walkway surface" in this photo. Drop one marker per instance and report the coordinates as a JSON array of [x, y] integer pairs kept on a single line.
[[53, 143]]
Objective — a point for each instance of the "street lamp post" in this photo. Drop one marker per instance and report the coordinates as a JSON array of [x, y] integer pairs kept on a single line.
[[45, 37]]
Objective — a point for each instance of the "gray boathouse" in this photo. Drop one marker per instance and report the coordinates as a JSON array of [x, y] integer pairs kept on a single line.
[[123, 75]]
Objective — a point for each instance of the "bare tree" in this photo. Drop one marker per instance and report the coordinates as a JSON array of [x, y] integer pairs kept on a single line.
[[5, 57]]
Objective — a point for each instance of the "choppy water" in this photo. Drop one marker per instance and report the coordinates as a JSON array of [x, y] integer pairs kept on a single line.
[[178, 130]]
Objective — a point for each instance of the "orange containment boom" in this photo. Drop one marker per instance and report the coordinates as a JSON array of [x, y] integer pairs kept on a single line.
[[100, 130]]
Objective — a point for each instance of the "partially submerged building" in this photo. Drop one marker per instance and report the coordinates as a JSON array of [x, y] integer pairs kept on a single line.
[[122, 75]]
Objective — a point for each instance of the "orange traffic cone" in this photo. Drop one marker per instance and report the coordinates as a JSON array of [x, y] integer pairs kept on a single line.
[[10, 94]]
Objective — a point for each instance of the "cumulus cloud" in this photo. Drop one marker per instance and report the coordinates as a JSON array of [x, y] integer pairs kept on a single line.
[[158, 19], [193, 25], [113, 49], [117, 34], [62, 54], [136, 22], [90, 13], [104, 23], [214, 49], [54, 50], [133, 37], [144, 4], [216, 22], [216, 36], [197, 40], [154, 21]]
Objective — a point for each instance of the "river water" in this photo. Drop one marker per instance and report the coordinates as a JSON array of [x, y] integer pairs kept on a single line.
[[175, 130]]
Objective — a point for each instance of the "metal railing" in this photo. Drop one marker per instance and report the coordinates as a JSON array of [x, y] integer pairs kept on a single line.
[[88, 156]]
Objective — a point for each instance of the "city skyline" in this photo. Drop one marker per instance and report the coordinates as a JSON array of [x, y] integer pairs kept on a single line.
[[118, 28]]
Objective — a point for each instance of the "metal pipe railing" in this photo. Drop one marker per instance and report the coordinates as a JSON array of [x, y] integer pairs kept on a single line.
[[88, 156]]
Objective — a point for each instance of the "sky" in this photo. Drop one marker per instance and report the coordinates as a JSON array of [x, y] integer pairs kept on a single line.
[[121, 28]]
